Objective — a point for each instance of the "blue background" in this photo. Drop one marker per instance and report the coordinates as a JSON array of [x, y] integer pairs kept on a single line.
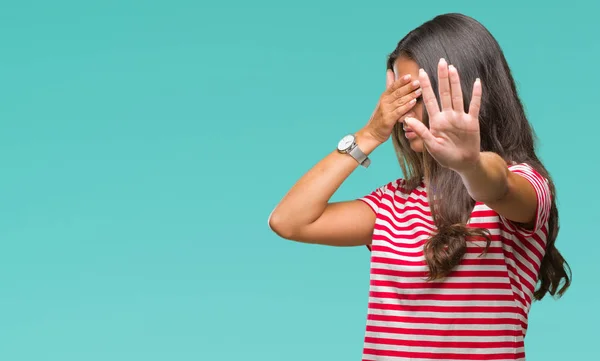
[[144, 144]]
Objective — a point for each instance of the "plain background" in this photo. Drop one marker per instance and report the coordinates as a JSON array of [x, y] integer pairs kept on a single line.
[[143, 145]]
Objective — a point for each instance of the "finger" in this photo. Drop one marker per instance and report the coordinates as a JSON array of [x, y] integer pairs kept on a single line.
[[404, 90], [444, 85], [402, 81], [408, 97], [476, 99], [428, 96], [457, 96], [404, 108], [421, 130], [389, 78]]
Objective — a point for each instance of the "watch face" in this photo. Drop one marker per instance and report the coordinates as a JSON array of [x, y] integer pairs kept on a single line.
[[346, 142]]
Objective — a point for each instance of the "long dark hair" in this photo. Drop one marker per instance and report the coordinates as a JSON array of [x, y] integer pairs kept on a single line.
[[505, 130]]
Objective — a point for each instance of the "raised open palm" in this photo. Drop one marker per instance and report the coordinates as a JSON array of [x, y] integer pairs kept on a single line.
[[453, 138]]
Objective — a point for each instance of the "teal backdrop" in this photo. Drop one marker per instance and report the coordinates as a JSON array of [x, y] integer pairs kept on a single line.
[[143, 145]]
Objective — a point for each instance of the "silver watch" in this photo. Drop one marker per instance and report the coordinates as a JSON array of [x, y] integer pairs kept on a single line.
[[347, 145]]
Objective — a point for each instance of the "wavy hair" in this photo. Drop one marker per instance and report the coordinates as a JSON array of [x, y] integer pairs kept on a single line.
[[505, 130]]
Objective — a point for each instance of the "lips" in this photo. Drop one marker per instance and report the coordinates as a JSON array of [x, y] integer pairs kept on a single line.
[[409, 133]]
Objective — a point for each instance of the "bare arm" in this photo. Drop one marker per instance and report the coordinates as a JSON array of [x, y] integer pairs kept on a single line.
[[453, 139], [509, 194], [305, 213]]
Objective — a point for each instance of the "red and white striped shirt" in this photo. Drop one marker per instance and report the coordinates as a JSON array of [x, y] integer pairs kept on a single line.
[[479, 312]]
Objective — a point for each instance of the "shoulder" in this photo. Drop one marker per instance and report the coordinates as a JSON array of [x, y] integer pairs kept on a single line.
[[524, 168], [384, 192], [391, 186], [402, 187], [540, 183], [543, 201]]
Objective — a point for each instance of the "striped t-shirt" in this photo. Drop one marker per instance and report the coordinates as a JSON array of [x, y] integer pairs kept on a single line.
[[479, 312]]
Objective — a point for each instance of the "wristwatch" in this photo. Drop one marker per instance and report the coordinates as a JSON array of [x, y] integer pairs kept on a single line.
[[347, 145]]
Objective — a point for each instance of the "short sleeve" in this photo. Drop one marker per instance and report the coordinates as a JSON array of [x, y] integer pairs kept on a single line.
[[544, 200], [374, 198]]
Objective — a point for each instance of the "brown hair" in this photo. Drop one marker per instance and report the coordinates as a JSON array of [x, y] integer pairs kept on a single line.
[[505, 130]]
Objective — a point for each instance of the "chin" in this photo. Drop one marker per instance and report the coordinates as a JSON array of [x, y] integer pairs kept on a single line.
[[417, 146]]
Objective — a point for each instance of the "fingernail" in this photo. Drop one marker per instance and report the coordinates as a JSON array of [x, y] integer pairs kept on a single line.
[[418, 91], [442, 60], [406, 77], [451, 67], [421, 71], [477, 80], [415, 83]]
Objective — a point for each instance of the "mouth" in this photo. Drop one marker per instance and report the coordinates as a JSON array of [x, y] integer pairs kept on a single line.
[[409, 133]]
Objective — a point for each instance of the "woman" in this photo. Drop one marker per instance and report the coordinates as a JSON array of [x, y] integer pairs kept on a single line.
[[459, 244]]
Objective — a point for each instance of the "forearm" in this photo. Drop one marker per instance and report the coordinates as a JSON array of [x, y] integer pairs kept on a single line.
[[488, 180], [307, 199]]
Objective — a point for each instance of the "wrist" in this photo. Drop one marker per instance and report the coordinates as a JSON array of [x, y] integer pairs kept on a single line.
[[486, 179], [472, 168], [366, 141]]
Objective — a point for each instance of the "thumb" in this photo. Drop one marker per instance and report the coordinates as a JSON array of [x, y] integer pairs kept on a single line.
[[421, 130], [389, 78]]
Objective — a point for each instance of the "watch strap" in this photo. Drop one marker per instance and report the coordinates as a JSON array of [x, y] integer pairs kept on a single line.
[[360, 156]]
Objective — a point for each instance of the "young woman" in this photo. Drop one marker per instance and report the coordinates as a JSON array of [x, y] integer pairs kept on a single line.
[[458, 244]]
